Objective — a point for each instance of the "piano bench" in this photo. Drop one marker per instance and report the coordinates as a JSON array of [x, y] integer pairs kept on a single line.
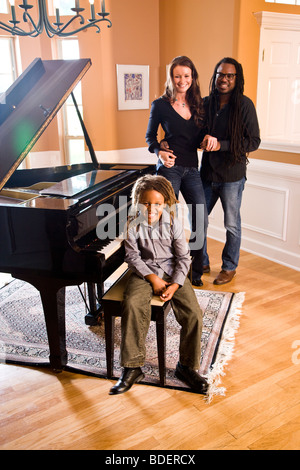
[[111, 303]]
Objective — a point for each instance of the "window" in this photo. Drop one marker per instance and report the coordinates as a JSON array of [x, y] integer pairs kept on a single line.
[[74, 140], [4, 6], [284, 2], [8, 66], [63, 5]]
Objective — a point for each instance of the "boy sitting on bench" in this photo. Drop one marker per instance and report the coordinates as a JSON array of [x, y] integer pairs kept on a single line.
[[158, 255]]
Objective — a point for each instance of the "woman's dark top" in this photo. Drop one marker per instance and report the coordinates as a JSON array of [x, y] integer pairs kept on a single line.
[[183, 136]]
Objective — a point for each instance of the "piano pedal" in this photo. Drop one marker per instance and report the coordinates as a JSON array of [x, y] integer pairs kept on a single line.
[[94, 318]]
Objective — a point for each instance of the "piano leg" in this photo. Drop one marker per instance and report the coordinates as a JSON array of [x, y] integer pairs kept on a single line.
[[53, 301], [95, 313], [52, 292]]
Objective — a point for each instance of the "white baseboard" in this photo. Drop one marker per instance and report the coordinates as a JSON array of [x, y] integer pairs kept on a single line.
[[257, 248], [270, 213]]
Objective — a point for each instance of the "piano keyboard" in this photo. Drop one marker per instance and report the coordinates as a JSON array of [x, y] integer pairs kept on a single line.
[[111, 247]]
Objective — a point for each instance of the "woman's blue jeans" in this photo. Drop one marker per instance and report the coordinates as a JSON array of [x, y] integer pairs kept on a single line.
[[187, 181], [230, 195]]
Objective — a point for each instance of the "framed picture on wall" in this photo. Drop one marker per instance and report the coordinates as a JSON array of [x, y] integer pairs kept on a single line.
[[133, 86]]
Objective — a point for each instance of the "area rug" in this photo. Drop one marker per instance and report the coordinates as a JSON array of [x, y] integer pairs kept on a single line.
[[23, 337]]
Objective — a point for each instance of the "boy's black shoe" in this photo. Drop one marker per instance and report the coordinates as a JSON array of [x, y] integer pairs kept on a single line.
[[129, 377], [191, 378]]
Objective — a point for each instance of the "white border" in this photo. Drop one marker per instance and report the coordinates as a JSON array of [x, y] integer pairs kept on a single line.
[[132, 104]]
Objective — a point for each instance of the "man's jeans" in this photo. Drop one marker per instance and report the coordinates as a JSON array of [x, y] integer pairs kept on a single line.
[[187, 181], [230, 195]]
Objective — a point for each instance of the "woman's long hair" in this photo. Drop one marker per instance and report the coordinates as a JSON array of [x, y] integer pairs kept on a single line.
[[193, 95], [236, 131]]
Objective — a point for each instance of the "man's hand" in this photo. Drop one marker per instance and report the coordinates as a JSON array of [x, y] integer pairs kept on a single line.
[[210, 144], [166, 154]]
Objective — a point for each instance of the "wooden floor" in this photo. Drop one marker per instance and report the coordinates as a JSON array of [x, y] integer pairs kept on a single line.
[[261, 409]]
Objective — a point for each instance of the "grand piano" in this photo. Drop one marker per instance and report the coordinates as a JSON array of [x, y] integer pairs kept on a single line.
[[60, 226]]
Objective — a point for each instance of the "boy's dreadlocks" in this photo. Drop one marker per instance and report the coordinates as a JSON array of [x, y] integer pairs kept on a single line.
[[156, 183]]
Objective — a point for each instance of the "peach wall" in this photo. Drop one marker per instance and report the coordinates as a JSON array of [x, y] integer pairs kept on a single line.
[[133, 39], [206, 31], [152, 32], [203, 30]]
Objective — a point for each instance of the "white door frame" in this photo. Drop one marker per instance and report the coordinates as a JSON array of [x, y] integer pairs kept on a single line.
[[269, 23]]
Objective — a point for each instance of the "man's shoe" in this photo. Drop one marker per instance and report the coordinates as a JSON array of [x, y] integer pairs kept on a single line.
[[197, 282], [224, 277], [191, 378], [129, 377], [206, 269]]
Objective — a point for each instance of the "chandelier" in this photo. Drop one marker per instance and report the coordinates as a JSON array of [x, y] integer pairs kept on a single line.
[[55, 29]]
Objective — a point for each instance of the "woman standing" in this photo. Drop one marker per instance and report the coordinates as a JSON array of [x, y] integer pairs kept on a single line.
[[181, 115]]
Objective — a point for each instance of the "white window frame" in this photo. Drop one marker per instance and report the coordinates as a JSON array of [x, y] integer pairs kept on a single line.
[[6, 5], [13, 56], [67, 138], [52, 5], [284, 2]]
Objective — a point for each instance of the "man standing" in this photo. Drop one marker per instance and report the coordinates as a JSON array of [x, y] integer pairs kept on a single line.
[[233, 121]]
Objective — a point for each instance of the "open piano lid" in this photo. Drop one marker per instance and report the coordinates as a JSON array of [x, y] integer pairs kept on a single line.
[[30, 104]]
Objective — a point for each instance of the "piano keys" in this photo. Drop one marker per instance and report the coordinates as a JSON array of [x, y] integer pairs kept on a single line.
[[51, 218]]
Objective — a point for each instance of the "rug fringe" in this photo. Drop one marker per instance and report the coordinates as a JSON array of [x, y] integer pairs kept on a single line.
[[226, 348]]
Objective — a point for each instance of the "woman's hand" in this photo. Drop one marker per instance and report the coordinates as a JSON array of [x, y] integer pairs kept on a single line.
[[166, 155], [210, 144]]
